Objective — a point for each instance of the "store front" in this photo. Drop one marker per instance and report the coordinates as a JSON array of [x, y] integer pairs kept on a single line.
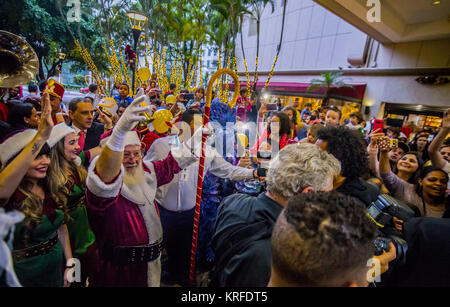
[[423, 117], [347, 99]]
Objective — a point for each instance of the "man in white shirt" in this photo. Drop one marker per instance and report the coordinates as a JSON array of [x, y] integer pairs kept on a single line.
[[177, 199]]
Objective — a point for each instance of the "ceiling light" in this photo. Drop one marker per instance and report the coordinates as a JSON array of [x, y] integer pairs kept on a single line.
[[436, 2]]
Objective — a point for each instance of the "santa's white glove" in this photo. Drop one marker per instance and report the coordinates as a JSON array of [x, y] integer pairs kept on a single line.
[[128, 121], [194, 144]]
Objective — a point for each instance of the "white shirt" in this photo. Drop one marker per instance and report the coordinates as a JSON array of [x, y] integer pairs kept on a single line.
[[179, 195], [77, 130]]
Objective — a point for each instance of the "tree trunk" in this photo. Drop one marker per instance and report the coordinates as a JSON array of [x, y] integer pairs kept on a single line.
[[41, 74], [242, 39], [258, 24]]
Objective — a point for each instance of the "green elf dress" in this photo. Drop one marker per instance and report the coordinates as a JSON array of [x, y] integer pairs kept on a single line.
[[82, 239], [41, 267]]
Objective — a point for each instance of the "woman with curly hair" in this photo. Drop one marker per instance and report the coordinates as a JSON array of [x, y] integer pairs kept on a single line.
[[67, 179], [349, 147], [41, 240]]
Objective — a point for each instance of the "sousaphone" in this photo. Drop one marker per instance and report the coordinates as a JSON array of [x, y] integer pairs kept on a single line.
[[18, 61]]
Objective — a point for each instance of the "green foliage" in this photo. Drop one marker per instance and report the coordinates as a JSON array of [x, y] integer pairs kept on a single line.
[[78, 79], [181, 26], [331, 79]]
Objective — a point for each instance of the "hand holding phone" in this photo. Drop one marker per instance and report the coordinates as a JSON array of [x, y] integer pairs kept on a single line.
[[378, 124], [387, 144]]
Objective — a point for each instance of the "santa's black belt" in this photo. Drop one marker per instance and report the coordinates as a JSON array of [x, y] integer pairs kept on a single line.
[[124, 255], [40, 249]]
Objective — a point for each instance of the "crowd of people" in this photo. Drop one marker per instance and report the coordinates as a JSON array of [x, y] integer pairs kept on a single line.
[[98, 182]]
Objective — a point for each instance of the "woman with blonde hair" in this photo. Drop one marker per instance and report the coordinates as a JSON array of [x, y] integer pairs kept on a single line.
[[67, 179], [41, 240]]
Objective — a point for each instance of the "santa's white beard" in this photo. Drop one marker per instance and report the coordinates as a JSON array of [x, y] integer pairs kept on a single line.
[[136, 178]]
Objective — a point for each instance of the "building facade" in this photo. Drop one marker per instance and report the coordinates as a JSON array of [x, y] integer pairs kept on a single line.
[[384, 58]]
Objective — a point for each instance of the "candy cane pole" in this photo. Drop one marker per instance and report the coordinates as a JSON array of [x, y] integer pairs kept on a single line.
[[198, 199]]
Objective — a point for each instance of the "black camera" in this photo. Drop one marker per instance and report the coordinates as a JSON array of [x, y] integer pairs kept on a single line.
[[382, 211]]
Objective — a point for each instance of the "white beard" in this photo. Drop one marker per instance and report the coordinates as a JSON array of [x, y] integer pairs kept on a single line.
[[135, 179]]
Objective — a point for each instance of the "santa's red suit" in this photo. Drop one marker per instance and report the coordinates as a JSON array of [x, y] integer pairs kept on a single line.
[[126, 221]]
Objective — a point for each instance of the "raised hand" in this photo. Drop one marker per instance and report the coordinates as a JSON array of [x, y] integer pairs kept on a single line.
[[446, 119], [105, 119], [46, 122], [384, 143], [132, 114], [374, 136], [263, 110]]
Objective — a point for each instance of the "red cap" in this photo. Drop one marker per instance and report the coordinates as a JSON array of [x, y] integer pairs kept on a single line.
[[54, 88]]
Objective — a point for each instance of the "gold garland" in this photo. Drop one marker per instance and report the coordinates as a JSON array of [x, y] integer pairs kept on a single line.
[[271, 72], [247, 74], [200, 73], [250, 91], [125, 69], [115, 63], [91, 66], [227, 84], [187, 81]]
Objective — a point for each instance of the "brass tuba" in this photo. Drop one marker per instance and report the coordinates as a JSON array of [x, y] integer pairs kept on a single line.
[[18, 61]]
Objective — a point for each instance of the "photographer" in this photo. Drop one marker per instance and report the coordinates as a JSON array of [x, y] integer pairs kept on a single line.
[[244, 223], [426, 263], [324, 239]]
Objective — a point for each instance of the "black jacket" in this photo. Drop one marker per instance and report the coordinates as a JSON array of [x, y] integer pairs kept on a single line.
[[427, 258], [360, 189], [93, 135], [241, 240]]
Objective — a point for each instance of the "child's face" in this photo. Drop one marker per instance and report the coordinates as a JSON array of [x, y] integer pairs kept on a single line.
[[123, 91], [244, 94], [199, 95], [354, 120], [332, 118]]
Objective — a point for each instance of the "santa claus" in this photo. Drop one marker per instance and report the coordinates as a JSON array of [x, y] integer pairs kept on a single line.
[[121, 203]]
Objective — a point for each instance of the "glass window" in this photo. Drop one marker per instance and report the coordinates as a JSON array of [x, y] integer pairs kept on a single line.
[[252, 29]]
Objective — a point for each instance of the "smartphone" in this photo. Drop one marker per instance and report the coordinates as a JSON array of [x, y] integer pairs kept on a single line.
[[271, 107], [430, 138], [391, 143], [378, 124]]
